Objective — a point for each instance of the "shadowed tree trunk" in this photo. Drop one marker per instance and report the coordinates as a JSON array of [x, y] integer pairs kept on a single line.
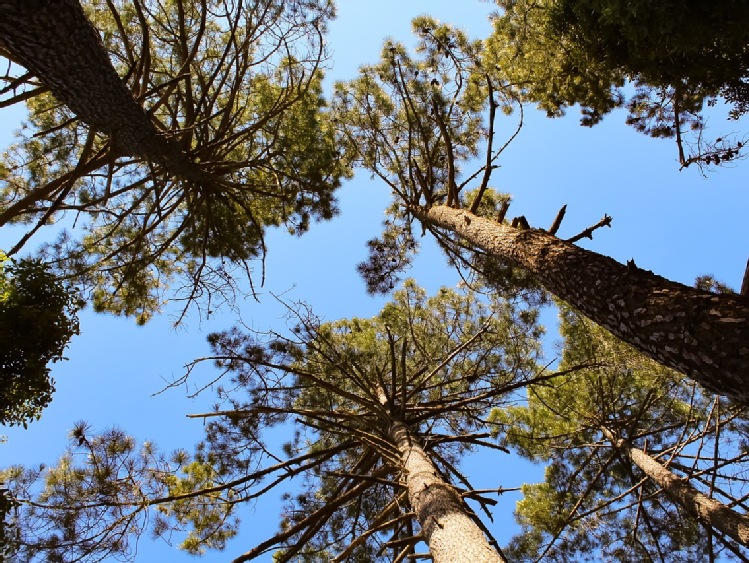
[[702, 507], [450, 533], [700, 334]]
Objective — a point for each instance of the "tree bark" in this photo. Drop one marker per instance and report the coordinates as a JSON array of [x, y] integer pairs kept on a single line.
[[700, 334], [702, 507], [450, 533], [54, 40]]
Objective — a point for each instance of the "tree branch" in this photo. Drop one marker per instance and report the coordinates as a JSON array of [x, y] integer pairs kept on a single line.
[[588, 233]]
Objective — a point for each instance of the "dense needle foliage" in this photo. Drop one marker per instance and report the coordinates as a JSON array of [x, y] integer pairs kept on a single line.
[[37, 320]]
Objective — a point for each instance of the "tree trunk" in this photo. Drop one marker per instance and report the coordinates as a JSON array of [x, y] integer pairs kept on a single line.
[[702, 507], [700, 334], [450, 533], [54, 40]]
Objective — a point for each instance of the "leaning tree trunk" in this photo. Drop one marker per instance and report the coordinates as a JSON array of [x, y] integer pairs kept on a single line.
[[449, 531], [702, 507], [700, 334], [54, 40]]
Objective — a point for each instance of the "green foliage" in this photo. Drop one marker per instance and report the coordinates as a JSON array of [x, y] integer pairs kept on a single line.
[[413, 119], [560, 53], [389, 254], [435, 363], [238, 89], [416, 120], [103, 493], [594, 503], [533, 511], [395, 111], [37, 320], [208, 515], [665, 43], [546, 67]]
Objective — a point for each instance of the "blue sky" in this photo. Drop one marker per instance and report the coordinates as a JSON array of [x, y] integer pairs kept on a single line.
[[678, 224]]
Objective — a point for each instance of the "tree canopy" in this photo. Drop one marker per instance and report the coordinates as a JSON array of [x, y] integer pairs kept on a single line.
[[596, 498], [426, 127], [165, 138], [680, 56], [425, 370], [37, 320]]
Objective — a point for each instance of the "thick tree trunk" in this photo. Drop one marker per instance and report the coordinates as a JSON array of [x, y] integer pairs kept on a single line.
[[702, 507], [54, 40], [450, 533], [702, 335]]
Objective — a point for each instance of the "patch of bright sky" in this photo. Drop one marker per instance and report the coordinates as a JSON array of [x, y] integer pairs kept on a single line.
[[677, 224]]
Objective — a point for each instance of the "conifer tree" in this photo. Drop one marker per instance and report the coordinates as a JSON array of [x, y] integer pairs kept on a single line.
[[418, 123], [679, 57], [382, 409], [641, 464], [166, 137]]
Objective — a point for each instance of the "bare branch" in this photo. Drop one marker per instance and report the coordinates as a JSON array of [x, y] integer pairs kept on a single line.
[[557, 220], [588, 233]]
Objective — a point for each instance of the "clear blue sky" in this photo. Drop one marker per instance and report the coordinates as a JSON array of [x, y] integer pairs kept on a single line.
[[678, 224]]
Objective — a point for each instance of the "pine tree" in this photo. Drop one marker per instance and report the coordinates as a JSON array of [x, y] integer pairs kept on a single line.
[[170, 135], [416, 123], [382, 411], [679, 57], [641, 464]]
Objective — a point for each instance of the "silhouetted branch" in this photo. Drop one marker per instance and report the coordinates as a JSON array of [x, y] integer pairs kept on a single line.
[[325, 511], [401, 541], [388, 482], [588, 233], [504, 206], [488, 167], [558, 220], [481, 492], [377, 526]]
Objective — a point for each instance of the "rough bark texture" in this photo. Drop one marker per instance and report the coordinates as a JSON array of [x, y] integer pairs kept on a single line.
[[54, 40], [700, 334], [702, 507], [450, 533]]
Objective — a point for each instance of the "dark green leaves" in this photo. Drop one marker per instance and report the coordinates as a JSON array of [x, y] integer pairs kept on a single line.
[[567, 52], [37, 320]]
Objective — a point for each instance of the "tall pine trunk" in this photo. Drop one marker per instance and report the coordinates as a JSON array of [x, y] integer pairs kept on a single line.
[[700, 334], [54, 40], [702, 507], [449, 531]]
